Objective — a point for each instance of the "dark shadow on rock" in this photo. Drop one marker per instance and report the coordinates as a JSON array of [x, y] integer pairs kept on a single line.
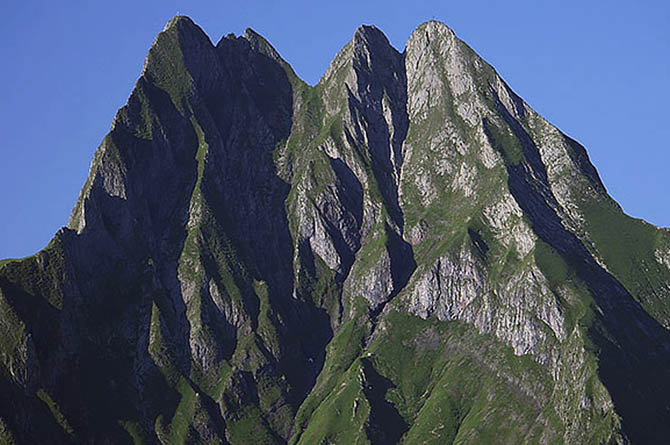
[[402, 260], [479, 244], [345, 237], [386, 425], [380, 92], [28, 417], [245, 111], [124, 261], [243, 393], [381, 77]]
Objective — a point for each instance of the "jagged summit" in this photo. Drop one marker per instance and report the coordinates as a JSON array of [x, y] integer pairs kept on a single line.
[[405, 252], [369, 33], [433, 28], [250, 35], [179, 20], [184, 28]]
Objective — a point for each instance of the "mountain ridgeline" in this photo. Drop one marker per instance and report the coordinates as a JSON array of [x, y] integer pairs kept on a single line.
[[405, 252]]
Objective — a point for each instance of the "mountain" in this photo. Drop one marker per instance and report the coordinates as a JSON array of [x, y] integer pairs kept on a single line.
[[405, 252]]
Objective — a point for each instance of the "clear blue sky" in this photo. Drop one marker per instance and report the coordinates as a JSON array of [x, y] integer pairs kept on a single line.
[[599, 70]]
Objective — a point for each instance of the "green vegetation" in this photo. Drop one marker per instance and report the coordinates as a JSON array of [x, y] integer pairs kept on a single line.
[[505, 142], [136, 432], [179, 429], [628, 245], [341, 355], [551, 263], [40, 275], [55, 411], [12, 332], [6, 436], [445, 382], [249, 426]]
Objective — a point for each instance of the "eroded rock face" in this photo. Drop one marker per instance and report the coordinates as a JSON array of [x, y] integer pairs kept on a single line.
[[251, 255]]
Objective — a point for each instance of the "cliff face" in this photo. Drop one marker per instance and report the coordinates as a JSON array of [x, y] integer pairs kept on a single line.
[[405, 252]]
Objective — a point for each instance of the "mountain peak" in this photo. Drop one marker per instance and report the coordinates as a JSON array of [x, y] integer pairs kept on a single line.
[[179, 20], [250, 33], [434, 29], [431, 32], [261, 44], [366, 45], [368, 32], [372, 38], [179, 33], [251, 255]]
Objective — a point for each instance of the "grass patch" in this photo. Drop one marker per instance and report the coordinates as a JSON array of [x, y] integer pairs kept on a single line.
[[627, 246], [55, 411]]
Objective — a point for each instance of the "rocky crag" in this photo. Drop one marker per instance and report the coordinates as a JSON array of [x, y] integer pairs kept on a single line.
[[405, 252]]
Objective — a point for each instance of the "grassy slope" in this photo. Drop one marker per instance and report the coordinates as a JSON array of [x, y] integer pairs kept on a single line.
[[444, 382], [627, 247]]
